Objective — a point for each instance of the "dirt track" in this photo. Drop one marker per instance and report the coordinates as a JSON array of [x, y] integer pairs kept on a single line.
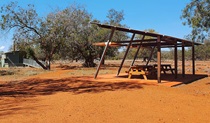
[[60, 96]]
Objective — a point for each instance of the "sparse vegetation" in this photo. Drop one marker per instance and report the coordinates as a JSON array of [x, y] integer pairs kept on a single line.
[[6, 72]]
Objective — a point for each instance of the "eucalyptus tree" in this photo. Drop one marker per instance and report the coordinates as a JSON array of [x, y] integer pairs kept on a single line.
[[74, 32], [114, 18], [196, 14], [26, 26], [65, 31], [202, 52], [81, 35]]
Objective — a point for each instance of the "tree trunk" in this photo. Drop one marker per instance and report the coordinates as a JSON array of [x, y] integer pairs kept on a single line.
[[49, 64], [103, 60], [89, 62], [38, 62]]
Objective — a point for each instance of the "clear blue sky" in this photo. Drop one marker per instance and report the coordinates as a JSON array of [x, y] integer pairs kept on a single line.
[[160, 15]]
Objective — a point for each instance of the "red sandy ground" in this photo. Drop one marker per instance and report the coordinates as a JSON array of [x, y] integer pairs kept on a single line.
[[61, 96]]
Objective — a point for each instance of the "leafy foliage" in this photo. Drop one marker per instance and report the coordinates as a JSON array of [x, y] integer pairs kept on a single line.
[[101, 35], [26, 25], [202, 52], [71, 27], [197, 15], [63, 34]]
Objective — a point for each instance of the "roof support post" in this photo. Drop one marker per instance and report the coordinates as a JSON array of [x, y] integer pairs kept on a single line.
[[125, 54], [137, 51], [102, 57], [193, 58], [175, 59], [158, 60], [183, 59]]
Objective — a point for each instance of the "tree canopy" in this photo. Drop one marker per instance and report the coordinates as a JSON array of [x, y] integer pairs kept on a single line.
[[196, 14], [63, 34], [27, 28]]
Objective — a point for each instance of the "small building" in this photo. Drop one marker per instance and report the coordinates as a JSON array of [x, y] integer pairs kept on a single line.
[[13, 58]]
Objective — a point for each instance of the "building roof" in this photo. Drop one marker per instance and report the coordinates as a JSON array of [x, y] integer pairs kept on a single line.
[[166, 41]]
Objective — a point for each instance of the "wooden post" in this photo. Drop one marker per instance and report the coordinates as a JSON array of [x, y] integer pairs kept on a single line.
[[158, 60], [137, 51], [150, 55], [102, 57], [183, 59], [175, 59], [125, 54], [193, 58]]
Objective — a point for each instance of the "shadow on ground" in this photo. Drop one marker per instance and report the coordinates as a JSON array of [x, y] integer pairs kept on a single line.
[[13, 106], [14, 94], [186, 79], [76, 85], [167, 78]]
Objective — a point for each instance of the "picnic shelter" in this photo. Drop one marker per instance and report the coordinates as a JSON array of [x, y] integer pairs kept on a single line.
[[158, 41]]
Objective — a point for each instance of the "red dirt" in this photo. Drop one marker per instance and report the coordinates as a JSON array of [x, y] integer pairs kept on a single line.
[[67, 94]]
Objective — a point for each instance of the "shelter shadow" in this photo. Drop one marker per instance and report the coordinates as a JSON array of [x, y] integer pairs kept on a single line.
[[187, 79]]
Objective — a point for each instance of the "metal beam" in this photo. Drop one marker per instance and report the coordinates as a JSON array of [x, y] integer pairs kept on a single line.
[[126, 52], [102, 57]]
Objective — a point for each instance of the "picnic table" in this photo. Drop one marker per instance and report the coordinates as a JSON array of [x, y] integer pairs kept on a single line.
[[165, 68], [145, 70], [141, 70]]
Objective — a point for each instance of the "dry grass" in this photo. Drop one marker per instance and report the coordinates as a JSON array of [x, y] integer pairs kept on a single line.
[[111, 67]]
